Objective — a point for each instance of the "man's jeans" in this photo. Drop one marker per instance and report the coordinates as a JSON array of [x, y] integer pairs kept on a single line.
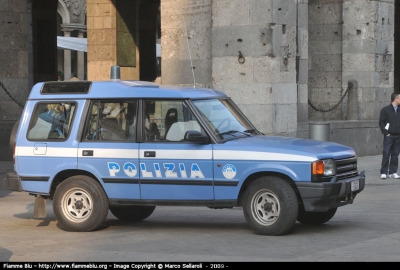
[[390, 157]]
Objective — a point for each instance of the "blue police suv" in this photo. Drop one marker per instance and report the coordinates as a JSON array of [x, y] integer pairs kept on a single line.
[[129, 146]]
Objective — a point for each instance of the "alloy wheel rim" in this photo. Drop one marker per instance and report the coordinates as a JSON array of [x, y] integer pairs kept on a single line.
[[77, 205], [265, 207]]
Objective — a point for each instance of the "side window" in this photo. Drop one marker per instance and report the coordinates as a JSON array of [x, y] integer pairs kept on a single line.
[[167, 120], [111, 121], [51, 121]]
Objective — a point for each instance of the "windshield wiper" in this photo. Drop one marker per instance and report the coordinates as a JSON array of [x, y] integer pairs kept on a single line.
[[251, 131], [231, 132]]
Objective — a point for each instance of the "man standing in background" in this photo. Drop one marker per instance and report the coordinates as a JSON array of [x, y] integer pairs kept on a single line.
[[389, 123]]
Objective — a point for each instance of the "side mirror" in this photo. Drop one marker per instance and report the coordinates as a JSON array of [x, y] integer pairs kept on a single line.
[[195, 136]]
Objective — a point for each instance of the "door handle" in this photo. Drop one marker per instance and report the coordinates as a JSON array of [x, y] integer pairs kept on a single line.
[[87, 153], [149, 153]]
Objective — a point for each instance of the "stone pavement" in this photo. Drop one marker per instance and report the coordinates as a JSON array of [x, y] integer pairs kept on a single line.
[[366, 231]]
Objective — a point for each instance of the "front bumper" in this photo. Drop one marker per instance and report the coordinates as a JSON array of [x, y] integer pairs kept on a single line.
[[320, 197], [12, 182]]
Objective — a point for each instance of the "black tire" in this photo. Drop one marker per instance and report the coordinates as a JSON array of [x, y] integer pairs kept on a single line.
[[132, 213], [80, 204], [315, 218], [278, 198], [13, 135]]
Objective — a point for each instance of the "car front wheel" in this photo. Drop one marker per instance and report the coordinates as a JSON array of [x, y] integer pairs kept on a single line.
[[270, 206]]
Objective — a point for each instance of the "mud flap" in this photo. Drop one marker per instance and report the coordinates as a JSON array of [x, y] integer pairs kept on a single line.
[[39, 210]]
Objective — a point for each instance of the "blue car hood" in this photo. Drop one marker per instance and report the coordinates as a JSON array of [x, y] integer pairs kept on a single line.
[[293, 146]]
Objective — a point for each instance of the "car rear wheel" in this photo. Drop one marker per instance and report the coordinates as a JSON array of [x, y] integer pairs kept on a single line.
[[80, 204], [270, 206], [132, 213]]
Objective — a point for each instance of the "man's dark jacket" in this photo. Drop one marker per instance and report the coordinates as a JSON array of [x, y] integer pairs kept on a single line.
[[388, 115]]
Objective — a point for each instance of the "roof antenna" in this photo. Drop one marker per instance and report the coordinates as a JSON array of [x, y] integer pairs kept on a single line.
[[190, 55]]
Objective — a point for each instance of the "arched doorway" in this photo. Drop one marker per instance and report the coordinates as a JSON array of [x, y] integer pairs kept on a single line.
[[51, 19], [71, 37], [149, 37], [44, 40], [137, 30]]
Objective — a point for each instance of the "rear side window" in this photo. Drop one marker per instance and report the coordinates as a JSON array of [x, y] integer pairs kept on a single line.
[[111, 120], [51, 121]]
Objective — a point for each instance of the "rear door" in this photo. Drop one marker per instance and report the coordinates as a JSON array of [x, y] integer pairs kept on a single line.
[[45, 145], [108, 148]]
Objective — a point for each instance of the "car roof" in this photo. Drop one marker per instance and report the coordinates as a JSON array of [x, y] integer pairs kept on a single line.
[[117, 89]]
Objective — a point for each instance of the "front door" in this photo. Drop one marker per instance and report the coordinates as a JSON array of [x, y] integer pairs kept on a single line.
[[171, 168]]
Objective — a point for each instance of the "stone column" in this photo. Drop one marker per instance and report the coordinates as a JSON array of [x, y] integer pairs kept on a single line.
[[325, 54], [186, 42], [81, 61], [368, 53], [101, 36], [67, 59], [16, 64], [254, 51], [302, 61], [102, 40]]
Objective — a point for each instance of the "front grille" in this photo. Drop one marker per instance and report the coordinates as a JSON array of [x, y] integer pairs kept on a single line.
[[346, 168]]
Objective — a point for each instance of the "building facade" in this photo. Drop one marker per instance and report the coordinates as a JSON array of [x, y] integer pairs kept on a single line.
[[286, 63], [71, 15]]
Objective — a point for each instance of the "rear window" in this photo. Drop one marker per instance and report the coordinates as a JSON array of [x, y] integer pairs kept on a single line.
[[51, 121]]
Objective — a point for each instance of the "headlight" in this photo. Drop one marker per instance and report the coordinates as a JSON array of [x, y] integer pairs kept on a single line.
[[325, 167]]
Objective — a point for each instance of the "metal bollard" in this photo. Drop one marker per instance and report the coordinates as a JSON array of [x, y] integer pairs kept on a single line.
[[319, 131]]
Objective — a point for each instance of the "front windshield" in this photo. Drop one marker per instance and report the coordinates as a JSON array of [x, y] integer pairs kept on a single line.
[[224, 119]]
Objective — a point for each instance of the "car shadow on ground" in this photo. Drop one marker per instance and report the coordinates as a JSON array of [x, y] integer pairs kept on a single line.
[[5, 255], [319, 229], [166, 221], [3, 192], [212, 225], [42, 221], [148, 224], [5, 167]]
